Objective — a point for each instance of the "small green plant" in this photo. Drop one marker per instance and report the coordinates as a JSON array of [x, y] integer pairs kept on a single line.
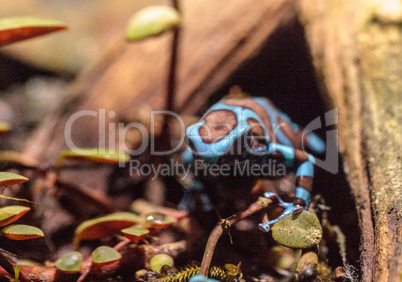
[[21, 232], [105, 255], [104, 226], [135, 233], [126, 222], [152, 21], [159, 260], [10, 214], [8, 179], [70, 262], [15, 29], [299, 231], [158, 220], [91, 155]]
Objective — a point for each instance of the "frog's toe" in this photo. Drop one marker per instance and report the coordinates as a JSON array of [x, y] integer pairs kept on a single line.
[[276, 199], [288, 211], [206, 203], [270, 195], [264, 226], [290, 208], [298, 209]]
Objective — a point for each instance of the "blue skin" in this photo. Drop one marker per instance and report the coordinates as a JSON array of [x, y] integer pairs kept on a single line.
[[200, 278], [211, 153]]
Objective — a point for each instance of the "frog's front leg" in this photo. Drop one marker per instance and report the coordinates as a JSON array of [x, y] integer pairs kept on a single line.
[[304, 181], [194, 187]]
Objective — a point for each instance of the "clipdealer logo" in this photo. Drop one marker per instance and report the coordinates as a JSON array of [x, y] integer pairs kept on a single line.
[[115, 133]]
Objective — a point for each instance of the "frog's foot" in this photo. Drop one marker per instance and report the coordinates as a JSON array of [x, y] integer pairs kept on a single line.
[[188, 203], [290, 208], [206, 202]]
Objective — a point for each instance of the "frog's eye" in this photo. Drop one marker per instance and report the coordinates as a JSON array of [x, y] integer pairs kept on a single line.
[[257, 133], [218, 125], [190, 144]]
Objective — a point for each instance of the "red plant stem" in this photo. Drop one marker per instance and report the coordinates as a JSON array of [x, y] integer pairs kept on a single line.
[[84, 274], [216, 233], [122, 244], [88, 261]]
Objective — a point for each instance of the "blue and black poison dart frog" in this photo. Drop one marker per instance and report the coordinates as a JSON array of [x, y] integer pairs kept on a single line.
[[242, 128]]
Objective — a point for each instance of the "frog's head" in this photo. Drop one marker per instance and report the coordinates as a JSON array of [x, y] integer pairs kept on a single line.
[[227, 133]]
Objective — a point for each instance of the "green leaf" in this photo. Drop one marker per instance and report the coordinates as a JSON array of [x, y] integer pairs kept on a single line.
[[152, 21], [105, 254], [307, 261], [302, 230], [160, 260], [10, 214], [158, 220], [92, 155], [232, 270], [135, 233], [15, 29], [8, 179], [22, 232], [70, 262], [106, 225]]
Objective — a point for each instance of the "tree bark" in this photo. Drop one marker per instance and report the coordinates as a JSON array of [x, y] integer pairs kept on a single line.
[[356, 48]]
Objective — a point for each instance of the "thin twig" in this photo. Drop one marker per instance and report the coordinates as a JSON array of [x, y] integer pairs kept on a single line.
[[171, 83], [259, 205], [171, 80]]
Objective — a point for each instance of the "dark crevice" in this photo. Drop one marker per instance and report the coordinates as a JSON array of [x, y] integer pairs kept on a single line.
[[283, 72], [369, 179]]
